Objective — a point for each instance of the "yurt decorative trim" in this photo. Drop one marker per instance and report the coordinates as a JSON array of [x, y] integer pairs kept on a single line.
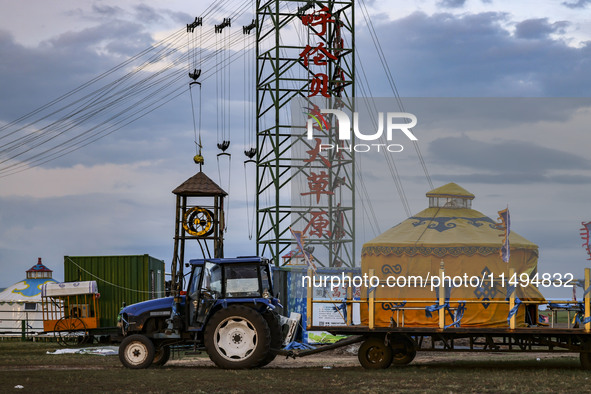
[[429, 251]]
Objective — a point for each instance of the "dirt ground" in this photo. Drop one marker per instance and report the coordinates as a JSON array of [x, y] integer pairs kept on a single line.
[[344, 359], [27, 367]]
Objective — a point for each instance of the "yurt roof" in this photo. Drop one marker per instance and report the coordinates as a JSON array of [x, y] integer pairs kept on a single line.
[[438, 227], [28, 290], [450, 190], [39, 267]]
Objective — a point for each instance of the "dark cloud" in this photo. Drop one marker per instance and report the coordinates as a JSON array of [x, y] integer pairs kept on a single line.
[[87, 41], [475, 55], [141, 13], [539, 28], [513, 179], [179, 17], [507, 161], [434, 55], [164, 133], [107, 10], [452, 3], [147, 13], [33, 76], [577, 4], [487, 113]]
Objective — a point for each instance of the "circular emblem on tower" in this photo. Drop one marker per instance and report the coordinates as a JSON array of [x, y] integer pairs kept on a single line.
[[198, 221]]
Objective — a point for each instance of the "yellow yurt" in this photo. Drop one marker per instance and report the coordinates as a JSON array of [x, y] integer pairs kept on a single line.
[[466, 243]]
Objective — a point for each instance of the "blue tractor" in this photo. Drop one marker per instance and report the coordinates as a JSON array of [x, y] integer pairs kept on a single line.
[[228, 309]]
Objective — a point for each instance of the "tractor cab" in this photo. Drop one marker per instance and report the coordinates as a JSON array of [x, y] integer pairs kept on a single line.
[[219, 282]]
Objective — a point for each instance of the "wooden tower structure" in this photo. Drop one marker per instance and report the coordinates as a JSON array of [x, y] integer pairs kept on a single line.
[[200, 217]]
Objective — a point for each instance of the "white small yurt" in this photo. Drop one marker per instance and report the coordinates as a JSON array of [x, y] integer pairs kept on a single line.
[[20, 304]]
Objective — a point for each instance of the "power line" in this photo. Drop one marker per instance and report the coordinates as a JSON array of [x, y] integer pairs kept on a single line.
[[82, 116], [388, 73]]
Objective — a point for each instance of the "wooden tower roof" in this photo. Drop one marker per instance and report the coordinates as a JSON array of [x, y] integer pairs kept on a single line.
[[199, 185]]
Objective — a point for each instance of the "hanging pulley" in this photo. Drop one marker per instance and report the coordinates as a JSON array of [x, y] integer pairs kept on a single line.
[[223, 146], [197, 22], [194, 76], [248, 28], [220, 27], [250, 154]]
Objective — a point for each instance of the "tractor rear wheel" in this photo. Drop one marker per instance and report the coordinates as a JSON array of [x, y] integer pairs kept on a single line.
[[237, 337], [272, 320], [136, 351], [161, 356]]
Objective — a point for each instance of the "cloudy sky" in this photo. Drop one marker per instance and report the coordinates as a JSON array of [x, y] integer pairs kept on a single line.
[[113, 196]]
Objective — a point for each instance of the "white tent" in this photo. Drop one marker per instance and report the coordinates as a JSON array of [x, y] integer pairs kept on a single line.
[[21, 302]]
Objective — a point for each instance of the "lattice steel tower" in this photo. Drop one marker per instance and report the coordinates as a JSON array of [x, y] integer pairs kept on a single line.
[[305, 62]]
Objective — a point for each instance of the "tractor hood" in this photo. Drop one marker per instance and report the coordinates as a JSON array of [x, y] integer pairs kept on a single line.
[[158, 304]]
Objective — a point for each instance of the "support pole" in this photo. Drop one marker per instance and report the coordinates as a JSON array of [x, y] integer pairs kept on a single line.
[[349, 299], [309, 311], [512, 299], [175, 257], [587, 298], [371, 303], [181, 266], [441, 295]]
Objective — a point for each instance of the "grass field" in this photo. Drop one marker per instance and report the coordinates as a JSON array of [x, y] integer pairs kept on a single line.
[[28, 365]]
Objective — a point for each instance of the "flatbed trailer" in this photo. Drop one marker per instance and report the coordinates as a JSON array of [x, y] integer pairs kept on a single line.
[[398, 345]]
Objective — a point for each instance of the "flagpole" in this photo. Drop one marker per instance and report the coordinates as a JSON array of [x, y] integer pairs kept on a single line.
[[311, 269], [505, 254]]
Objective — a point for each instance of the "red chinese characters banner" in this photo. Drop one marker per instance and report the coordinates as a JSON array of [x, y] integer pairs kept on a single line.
[[318, 174]]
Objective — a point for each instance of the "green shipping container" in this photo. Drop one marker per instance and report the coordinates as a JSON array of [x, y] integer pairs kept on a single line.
[[120, 279]]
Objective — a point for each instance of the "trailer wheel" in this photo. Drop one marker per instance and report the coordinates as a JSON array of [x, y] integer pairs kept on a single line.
[[276, 336], [71, 331], [237, 337], [403, 350], [375, 354], [136, 351], [161, 356], [585, 360]]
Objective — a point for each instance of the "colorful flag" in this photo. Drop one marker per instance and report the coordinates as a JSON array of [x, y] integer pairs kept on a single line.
[[505, 225], [543, 318], [298, 237], [585, 231]]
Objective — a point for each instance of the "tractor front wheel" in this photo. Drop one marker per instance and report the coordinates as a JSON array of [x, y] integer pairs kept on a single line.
[[136, 352]]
